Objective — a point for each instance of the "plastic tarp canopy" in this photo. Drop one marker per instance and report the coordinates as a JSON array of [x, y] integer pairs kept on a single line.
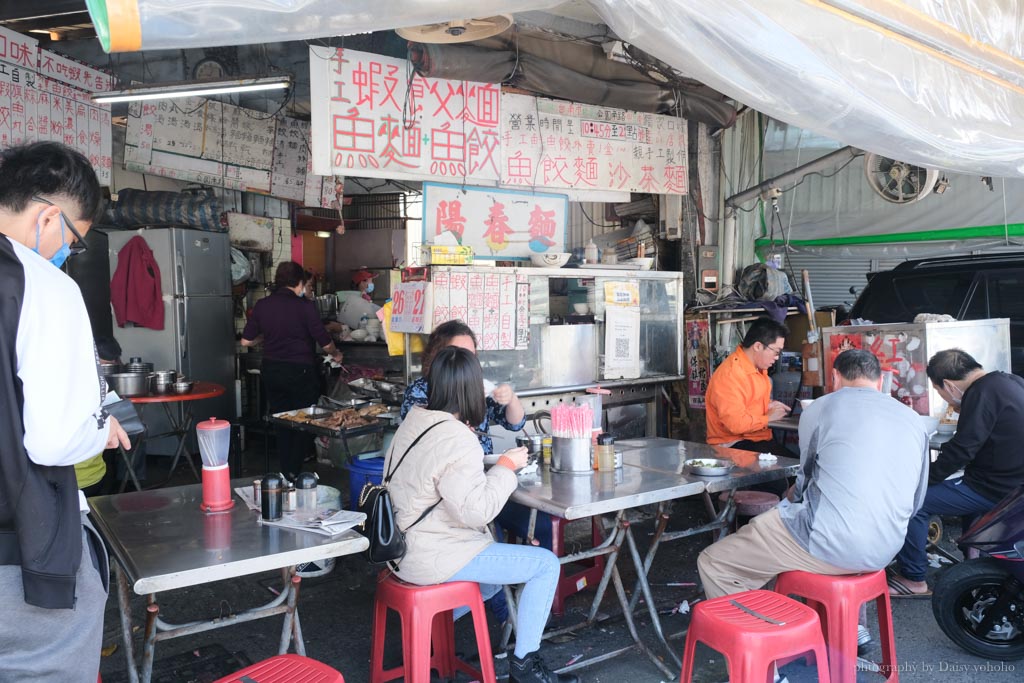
[[937, 83]]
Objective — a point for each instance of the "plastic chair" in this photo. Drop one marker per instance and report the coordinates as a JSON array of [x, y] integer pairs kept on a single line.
[[285, 669], [426, 615], [837, 600], [753, 630]]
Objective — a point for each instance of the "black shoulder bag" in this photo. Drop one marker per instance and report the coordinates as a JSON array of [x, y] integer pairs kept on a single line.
[[387, 541]]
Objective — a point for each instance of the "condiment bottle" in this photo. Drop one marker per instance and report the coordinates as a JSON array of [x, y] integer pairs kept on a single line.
[[590, 252], [270, 497], [606, 453], [305, 485]]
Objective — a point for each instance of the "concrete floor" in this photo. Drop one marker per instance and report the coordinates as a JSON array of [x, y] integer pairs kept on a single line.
[[336, 612]]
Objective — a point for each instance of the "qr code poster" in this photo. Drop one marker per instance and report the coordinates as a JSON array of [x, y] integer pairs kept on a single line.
[[621, 342]]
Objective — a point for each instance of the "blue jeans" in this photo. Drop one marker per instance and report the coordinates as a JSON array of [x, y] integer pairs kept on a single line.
[[504, 563], [951, 497]]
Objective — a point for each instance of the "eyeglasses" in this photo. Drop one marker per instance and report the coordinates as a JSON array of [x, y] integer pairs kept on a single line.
[[79, 245], [775, 351]]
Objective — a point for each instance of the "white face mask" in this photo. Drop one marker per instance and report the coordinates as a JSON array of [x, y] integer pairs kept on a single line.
[[955, 400]]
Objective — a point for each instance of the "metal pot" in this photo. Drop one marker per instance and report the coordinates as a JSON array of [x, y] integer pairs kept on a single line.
[[570, 455], [165, 376], [128, 384], [139, 368], [182, 386], [108, 370]]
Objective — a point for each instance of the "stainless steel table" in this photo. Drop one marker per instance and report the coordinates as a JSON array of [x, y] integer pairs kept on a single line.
[[162, 541], [791, 423], [652, 474]]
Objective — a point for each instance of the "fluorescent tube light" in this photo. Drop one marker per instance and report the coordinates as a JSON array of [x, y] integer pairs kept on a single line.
[[322, 234], [193, 89]]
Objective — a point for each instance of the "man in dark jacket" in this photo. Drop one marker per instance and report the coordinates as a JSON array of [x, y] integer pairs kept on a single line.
[[53, 568], [987, 446]]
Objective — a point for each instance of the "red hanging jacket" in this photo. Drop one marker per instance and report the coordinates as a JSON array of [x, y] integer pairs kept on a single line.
[[135, 288]]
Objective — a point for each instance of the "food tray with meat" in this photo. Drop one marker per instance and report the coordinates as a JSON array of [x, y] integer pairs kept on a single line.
[[332, 422]]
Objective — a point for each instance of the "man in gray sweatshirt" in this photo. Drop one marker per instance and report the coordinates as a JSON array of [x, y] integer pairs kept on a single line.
[[863, 475]]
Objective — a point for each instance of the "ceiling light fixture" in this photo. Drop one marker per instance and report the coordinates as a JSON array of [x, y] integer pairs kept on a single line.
[[193, 89]]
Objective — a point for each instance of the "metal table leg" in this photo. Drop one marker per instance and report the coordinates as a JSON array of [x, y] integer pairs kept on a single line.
[[124, 604], [181, 425]]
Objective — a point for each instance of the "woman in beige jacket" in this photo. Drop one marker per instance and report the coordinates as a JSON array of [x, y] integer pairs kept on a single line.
[[443, 476]]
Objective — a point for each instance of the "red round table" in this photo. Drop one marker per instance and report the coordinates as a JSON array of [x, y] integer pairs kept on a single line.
[[181, 419]]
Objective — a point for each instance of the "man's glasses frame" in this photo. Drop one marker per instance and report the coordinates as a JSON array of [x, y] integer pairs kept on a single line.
[[79, 245]]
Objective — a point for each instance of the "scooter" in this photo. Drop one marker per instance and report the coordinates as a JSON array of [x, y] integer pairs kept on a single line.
[[979, 603]]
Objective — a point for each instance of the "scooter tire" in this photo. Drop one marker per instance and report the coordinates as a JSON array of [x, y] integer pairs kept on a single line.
[[958, 590]]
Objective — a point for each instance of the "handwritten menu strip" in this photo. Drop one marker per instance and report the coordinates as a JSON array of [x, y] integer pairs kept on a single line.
[[496, 223], [380, 123], [495, 306], [44, 96], [291, 161], [555, 144], [219, 144]]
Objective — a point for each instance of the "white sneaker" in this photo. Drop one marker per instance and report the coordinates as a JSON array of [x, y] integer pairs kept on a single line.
[[863, 640]]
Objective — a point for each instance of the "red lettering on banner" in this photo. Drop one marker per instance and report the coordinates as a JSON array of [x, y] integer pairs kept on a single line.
[[352, 133], [520, 168], [554, 169], [542, 226], [619, 176], [647, 181], [391, 129], [586, 171], [487, 99], [436, 88], [480, 150], [675, 179], [367, 83], [447, 145], [449, 217], [498, 229]]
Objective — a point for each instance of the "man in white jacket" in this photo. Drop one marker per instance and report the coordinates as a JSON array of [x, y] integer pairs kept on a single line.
[[53, 567]]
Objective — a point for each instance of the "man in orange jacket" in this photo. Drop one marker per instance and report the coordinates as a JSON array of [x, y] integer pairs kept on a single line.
[[739, 396]]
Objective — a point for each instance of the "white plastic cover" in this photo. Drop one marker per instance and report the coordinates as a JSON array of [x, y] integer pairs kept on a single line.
[[934, 82]]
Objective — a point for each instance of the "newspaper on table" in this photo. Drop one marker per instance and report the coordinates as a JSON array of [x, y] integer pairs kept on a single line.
[[326, 521]]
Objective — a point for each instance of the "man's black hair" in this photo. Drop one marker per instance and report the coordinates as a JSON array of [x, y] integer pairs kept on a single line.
[[855, 364], [764, 330], [951, 364], [456, 385], [52, 171]]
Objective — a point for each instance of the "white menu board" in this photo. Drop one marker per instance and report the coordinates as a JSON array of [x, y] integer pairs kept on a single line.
[[371, 119], [556, 144], [45, 96]]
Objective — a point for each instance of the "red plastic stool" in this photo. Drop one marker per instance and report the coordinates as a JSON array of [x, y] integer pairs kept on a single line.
[[426, 615], [591, 569], [837, 599], [749, 503], [753, 630], [285, 669]]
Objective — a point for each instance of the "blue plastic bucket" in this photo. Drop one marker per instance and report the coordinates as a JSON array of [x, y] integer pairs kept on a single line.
[[359, 473]]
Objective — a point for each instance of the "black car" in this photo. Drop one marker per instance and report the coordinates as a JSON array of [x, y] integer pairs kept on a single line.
[[965, 287]]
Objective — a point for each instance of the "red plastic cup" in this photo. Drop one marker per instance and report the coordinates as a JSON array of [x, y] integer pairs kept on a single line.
[[216, 489]]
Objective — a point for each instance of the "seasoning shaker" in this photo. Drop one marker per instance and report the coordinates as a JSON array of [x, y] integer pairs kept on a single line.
[[305, 485], [271, 490], [605, 452]]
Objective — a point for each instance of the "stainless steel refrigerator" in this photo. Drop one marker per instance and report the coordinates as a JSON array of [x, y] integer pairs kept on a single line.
[[198, 339]]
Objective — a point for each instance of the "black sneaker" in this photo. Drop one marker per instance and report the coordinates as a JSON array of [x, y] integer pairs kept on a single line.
[[531, 669]]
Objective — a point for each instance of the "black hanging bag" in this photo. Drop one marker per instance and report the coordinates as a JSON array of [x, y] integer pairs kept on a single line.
[[387, 541]]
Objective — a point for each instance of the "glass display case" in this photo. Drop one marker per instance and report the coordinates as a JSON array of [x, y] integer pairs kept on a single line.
[[566, 337], [904, 349]]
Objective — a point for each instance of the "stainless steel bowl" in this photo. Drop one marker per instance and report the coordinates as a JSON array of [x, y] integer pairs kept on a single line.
[[709, 467], [182, 387], [128, 384]]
